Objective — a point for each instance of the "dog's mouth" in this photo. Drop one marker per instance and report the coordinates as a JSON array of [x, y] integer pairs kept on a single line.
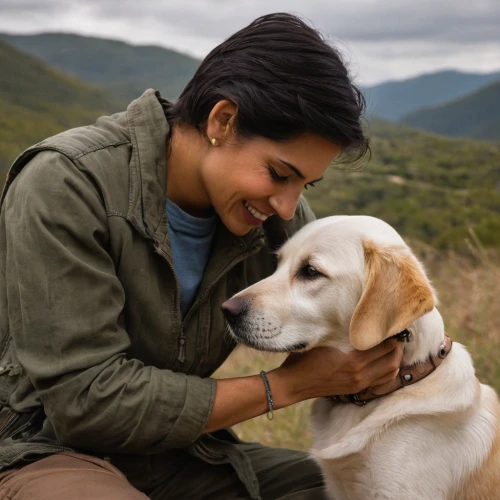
[[257, 331], [261, 345]]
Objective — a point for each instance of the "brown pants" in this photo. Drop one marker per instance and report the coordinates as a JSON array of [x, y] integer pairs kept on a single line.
[[282, 474], [67, 476]]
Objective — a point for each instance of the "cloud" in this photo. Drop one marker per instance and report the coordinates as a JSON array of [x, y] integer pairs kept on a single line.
[[28, 7], [383, 38], [431, 20]]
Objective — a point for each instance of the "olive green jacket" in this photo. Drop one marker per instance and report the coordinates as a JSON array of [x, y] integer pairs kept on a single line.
[[90, 325]]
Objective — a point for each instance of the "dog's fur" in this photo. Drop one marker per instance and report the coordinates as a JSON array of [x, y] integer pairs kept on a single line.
[[436, 439]]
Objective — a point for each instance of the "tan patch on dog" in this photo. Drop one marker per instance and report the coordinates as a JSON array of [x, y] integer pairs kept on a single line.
[[484, 483], [396, 293]]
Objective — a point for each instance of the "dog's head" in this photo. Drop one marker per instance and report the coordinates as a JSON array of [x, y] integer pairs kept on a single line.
[[340, 281]]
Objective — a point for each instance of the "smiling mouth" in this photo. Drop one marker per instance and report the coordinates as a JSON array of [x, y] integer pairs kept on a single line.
[[255, 212]]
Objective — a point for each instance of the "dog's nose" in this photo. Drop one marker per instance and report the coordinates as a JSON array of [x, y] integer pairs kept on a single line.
[[232, 308]]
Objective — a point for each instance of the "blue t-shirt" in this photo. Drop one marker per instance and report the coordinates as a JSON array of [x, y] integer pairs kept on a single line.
[[191, 241]]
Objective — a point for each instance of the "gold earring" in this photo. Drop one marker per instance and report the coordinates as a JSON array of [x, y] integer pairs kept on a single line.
[[214, 142]]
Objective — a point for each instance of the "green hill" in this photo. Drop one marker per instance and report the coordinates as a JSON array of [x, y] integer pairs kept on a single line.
[[430, 188], [392, 100], [476, 115], [124, 69], [37, 101]]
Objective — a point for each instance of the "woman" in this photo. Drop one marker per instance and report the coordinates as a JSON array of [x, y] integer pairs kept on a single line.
[[119, 243]]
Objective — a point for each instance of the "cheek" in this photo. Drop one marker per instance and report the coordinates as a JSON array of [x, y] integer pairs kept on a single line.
[[236, 188], [232, 175], [301, 314], [318, 311]]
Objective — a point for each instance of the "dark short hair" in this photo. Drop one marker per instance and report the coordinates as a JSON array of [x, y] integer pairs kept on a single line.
[[285, 79]]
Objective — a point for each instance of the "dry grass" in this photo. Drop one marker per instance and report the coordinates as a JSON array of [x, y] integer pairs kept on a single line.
[[290, 426], [468, 288]]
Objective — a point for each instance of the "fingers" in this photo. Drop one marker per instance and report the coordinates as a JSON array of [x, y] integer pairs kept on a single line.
[[363, 360], [383, 369], [389, 362], [337, 372], [381, 349], [385, 379]]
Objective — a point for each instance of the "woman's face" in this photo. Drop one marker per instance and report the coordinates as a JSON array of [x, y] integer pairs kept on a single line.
[[248, 181]]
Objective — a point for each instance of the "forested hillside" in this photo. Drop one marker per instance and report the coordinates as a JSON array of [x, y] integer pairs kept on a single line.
[[123, 69], [127, 70], [476, 115], [430, 188], [37, 101]]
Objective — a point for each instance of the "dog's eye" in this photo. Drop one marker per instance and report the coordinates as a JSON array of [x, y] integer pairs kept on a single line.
[[312, 271], [309, 272]]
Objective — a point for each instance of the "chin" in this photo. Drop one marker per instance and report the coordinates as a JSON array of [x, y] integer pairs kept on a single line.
[[238, 229], [235, 224]]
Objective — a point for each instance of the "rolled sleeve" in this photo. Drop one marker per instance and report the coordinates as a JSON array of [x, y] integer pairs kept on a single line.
[[193, 415]]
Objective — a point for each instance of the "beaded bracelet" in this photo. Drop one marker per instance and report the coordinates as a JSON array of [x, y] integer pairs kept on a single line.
[[270, 403]]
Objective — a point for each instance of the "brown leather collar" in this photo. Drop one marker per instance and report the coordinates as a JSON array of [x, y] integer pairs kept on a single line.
[[408, 375]]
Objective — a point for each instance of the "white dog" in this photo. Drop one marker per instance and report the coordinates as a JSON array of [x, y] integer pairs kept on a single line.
[[351, 282]]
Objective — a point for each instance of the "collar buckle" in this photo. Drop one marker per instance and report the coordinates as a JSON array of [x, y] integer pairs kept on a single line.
[[355, 398]]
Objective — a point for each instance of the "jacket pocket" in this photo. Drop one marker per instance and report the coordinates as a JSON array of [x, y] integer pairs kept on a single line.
[[8, 420], [10, 370], [19, 426]]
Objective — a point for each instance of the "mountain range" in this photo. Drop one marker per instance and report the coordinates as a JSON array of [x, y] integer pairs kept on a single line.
[[432, 188], [37, 101], [440, 102], [123, 69], [475, 115], [395, 99]]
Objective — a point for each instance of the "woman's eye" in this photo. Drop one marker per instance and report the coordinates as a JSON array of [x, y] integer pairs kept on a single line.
[[275, 176], [310, 184]]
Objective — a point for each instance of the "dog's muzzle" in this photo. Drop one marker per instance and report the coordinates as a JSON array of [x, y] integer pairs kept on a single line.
[[234, 308], [235, 312]]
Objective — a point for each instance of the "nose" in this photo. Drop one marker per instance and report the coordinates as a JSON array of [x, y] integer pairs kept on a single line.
[[285, 203], [234, 307]]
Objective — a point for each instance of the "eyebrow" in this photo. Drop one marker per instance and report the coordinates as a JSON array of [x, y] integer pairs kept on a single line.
[[297, 171]]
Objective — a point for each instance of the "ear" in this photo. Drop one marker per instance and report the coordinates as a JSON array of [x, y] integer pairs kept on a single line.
[[396, 293], [220, 121]]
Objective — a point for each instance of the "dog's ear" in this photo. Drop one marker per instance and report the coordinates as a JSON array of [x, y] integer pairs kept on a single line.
[[396, 293]]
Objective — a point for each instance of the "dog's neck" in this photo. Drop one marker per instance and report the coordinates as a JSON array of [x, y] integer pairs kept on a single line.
[[427, 336], [426, 348]]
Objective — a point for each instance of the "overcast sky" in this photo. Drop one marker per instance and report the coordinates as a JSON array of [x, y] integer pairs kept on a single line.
[[382, 39]]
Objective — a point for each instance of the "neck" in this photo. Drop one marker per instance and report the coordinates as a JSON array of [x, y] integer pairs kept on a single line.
[[184, 185], [427, 336]]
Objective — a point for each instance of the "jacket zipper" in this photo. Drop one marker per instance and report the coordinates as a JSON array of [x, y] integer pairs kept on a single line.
[[182, 341], [177, 303]]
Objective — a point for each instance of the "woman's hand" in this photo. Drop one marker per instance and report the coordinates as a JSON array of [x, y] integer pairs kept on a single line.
[[324, 371]]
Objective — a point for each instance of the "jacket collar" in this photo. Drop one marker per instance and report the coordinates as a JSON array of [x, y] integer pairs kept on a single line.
[[149, 130]]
